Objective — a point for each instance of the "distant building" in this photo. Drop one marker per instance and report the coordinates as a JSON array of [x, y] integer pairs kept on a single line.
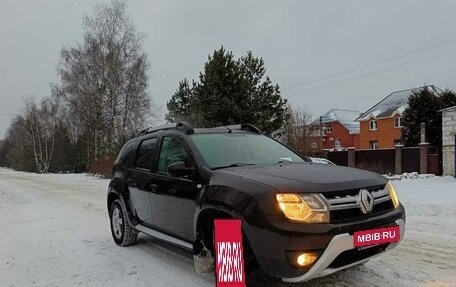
[[381, 125], [448, 140], [338, 129]]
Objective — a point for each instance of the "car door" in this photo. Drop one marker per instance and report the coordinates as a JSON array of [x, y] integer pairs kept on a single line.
[[140, 180], [173, 202]]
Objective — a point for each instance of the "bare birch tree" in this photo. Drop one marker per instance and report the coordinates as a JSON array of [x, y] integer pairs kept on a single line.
[[104, 80], [296, 129], [32, 135]]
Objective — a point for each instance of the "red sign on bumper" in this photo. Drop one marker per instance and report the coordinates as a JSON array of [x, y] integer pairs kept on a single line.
[[229, 259], [377, 236]]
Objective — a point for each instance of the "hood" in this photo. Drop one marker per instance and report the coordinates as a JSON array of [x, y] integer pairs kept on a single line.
[[307, 177]]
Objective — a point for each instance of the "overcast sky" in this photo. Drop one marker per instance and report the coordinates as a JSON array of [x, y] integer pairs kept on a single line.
[[323, 54]]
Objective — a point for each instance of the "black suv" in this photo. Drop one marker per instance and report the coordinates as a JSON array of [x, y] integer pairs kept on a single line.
[[298, 217]]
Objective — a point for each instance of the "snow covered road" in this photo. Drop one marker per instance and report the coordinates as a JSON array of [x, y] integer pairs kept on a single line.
[[54, 231]]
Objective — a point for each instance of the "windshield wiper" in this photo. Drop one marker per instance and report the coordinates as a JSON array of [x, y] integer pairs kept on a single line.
[[285, 160], [233, 165]]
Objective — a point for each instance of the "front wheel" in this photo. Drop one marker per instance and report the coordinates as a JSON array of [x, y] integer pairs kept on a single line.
[[122, 233]]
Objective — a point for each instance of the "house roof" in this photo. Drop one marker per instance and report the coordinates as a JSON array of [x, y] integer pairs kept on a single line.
[[344, 117], [448, 109], [394, 103]]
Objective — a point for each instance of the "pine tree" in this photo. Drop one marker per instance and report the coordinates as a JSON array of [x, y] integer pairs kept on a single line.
[[264, 105], [424, 107], [180, 106], [220, 91], [448, 99], [230, 91]]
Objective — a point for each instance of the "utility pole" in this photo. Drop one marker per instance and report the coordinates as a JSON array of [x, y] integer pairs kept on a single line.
[[321, 133]]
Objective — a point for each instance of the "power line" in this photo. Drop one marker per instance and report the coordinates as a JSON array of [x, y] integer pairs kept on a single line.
[[371, 73], [378, 62], [375, 63]]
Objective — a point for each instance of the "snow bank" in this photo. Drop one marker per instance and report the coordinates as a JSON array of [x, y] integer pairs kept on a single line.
[[410, 175]]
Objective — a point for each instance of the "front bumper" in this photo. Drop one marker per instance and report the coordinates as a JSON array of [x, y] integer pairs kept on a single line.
[[337, 245], [275, 241]]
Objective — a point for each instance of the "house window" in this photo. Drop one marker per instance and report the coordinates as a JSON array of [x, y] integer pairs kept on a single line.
[[315, 131], [338, 143], [373, 125], [373, 144], [313, 145], [398, 122], [329, 129]]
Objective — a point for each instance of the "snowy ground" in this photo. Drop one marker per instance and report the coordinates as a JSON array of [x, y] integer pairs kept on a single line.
[[54, 231]]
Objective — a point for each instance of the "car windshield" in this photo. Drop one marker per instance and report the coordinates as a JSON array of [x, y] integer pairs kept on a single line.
[[235, 149]]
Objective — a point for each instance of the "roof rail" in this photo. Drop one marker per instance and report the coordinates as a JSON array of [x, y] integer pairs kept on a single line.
[[183, 126], [244, 127]]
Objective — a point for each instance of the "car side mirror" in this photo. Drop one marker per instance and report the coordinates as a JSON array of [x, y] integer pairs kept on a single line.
[[179, 169]]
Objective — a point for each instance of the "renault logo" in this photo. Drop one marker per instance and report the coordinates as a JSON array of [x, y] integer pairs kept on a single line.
[[367, 201]]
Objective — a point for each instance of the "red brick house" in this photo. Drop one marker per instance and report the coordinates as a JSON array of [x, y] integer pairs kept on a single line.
[[337, 129], [381, 125]]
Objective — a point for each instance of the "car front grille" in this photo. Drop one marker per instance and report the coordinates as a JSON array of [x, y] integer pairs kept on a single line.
[[348, 205]]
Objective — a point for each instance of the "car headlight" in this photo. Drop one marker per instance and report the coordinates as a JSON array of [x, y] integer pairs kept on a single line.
[[393, 194], [306, 208]]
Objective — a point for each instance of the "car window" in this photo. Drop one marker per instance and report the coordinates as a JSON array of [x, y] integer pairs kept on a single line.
[[172, 150], [146, 153], [127, 155], [223, 149]]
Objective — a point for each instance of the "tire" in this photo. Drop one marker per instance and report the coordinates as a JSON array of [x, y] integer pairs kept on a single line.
[[122, 233]]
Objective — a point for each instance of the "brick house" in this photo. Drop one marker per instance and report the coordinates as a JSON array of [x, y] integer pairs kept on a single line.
[[337, 129], [381, 125], [448, 140]]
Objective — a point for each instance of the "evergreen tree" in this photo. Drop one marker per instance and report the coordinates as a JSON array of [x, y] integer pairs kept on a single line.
[[264, 105], [230, 91], [179, 108], [448, 99], [424, 107], [4, 148]]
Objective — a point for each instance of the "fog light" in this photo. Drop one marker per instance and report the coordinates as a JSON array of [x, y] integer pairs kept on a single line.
[[306, 259]]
